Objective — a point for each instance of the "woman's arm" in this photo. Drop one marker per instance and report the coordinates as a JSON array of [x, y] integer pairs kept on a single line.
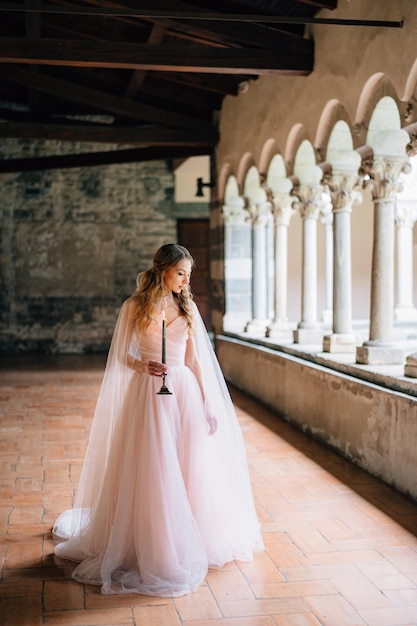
[[136, 364], [192, 362], [154, 368], [123, 337]]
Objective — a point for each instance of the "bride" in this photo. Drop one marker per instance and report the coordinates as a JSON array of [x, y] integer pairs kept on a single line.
[[164, 493]]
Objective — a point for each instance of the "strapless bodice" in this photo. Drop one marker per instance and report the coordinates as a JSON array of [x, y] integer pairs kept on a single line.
[[150, 343]]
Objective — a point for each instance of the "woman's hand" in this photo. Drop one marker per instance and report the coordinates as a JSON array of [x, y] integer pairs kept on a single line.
[[155, 368], [211, 419]]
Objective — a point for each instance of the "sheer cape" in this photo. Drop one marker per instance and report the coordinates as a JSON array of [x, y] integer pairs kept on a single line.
[[159, 500]]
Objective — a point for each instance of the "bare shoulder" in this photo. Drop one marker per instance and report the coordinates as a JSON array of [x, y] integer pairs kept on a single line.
[[129, 306]]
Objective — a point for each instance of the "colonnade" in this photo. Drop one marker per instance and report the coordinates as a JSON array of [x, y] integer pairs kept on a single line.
[[326, 193]]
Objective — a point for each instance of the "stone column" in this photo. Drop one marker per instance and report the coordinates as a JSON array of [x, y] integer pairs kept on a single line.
[[343, 196], [405, 217], [260, 215], [380, 349], [282, 212], [237, 262], [308, 330], [326, 218]]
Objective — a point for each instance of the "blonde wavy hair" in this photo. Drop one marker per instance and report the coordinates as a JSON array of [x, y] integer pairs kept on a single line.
[[150, 287]]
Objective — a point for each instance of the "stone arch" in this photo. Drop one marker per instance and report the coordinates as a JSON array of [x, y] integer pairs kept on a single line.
[[246, 162], [296, 136], [231, 192], [305, 168], [276, 178], [268, 152], [377, 87], [252, 183], [410, 96], [339, 150], [333, 112], [385, 135], [225, 173]]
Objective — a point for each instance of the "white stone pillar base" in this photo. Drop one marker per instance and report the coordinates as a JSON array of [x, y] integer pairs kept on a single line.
[[340, 342], [281, 332], [410, 368], [379, 355], [257, 326], [308, 335], [232, 323], [405, 314]]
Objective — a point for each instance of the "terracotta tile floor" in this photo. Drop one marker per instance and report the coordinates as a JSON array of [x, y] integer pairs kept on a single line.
[[341, 548]]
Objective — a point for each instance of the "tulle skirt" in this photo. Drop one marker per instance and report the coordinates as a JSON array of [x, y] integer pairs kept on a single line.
[[174, 501]]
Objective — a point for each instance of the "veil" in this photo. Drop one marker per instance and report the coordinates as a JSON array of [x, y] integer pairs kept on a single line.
[[233, 502], [116, 379]]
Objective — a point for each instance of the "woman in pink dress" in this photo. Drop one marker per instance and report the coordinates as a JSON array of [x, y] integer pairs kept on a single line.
[[164, 493]]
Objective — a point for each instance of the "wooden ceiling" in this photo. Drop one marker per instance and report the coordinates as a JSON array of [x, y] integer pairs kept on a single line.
[[145, 77]]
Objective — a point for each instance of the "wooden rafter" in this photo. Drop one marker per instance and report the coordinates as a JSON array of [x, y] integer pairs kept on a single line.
[[95, 98], [140, 136], [201, 15], [216, 83], [150, 74], [133, 155], [321, 4], [138, 76], [155, 57]]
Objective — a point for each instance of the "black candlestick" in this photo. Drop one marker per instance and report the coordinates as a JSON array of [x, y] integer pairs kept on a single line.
[[164, 391]]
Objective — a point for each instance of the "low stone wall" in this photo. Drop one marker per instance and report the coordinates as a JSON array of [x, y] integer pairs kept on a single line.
[[372, 426]]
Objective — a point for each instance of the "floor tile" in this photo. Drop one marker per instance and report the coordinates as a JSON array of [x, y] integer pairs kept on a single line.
[[341, 547]]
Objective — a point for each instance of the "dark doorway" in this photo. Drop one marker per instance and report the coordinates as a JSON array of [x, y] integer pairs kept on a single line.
[[195, 236]]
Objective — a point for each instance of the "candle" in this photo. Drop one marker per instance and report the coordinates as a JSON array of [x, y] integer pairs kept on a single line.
[[164, 327]]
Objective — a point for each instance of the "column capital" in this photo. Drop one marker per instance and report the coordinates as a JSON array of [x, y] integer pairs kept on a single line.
[[342, 191], [282, 208], [405, 214], [325, 202], [234, 211], [259, 213], [309, 200], [385, 174]]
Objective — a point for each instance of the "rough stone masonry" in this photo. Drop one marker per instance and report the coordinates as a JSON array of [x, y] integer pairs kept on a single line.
[[72, 242]]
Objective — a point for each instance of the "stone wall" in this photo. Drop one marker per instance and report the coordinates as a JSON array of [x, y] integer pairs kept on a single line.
[[72, 242], [369, 424]]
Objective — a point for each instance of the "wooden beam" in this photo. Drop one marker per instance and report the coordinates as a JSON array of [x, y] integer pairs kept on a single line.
[[181, 94], [224, 34], [42, 117], [221, 84], [147, 136], [321, 4], [91, 159], [201, 15], [33, 19], [33, 23], [136, 80], [156, 57], [236, 35], [215, 83], [98, 99]]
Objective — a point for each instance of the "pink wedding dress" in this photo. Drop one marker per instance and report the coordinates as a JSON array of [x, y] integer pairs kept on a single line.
[[159, 499]]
